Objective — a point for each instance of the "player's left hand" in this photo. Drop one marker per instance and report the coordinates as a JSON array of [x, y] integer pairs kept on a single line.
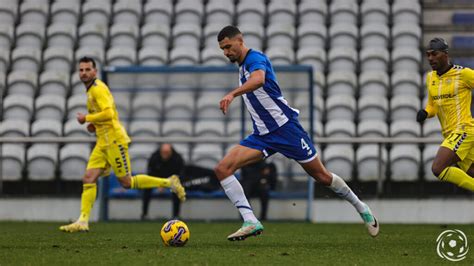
[[225, 103], [81, 118]]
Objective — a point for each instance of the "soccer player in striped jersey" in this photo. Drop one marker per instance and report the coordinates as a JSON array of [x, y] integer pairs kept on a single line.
[[111, 149], [276, 129], [449, 97]]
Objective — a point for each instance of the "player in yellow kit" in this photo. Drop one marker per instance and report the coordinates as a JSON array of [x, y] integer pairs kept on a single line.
[[449, 97], [111, 149]]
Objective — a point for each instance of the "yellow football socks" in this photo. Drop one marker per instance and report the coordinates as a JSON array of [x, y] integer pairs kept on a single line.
[[89, 192], [458, 177], [146, 181]]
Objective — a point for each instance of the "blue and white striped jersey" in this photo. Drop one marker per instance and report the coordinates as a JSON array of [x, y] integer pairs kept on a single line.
[[266, 105]]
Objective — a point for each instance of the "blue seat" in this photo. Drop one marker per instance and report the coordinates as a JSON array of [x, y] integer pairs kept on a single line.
[[463, 42], [463, 18], [464, 61]]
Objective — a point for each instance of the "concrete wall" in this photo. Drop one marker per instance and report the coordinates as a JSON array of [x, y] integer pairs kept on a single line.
[[450, 211]]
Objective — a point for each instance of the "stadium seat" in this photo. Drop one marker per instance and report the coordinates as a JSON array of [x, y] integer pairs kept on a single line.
[[340, 128], [463, 18], [92, 35], [155, 35], [343, 35], [122, 103], [344, 12], [463, 42], [96, 12], [153, 56], [49, 128], [61, 35], [374, 35], [14, 128], [406, 83], [405, 129], [140, 154], [312, 12], [18, 107], [77, 87], [406, 59], [341, 82], [73, 158], [26, 59], [374, 83], [312, 55], [158, 12], [147, 106], [405, 161], [41, 161], [210, 32], [54, 82], [251, 12], [75, 104], [254, 35], [213, 56], [280, 55], [187, 35], [183, 55], [65, 12], [372, 128], [406, 11], [342, 59], [207, 106], [22, 82], [144, 128], [209, 128], [319, 80], [13, 161], [219, 12], [367, 159], [30, 35], [283, 12], [373, 107], [404, 107], [58, 58], [207, 155], [339, 158], [97, 53], [313, 36], [8, 13], [279, 34], [375, 12], [341, 107], [179, 106], [121, 56], [429, 153], [6, 35], [50, 106], [33, 12], [124, 35], [374, 59], [73, 129], [127, 12], [406, 35], [177, 128], [432, 128], [189, 12], [4, 60]]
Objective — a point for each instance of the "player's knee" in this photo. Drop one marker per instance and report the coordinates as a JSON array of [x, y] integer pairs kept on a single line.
[[437, 170], [325, 178], [222, 171]]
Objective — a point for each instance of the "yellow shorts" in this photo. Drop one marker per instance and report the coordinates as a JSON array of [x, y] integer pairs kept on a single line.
[[113, 156], [462, 143]]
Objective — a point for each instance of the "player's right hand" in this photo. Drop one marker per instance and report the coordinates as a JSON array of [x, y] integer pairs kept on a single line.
[[225, 102], [421, 116], [91, 128]]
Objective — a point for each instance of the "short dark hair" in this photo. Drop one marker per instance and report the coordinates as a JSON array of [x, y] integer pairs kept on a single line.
[[438, 44], [228, 32], [86, 59]]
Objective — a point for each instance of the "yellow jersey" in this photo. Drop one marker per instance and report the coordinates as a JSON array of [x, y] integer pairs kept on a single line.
[[449, 97], [100, 98]]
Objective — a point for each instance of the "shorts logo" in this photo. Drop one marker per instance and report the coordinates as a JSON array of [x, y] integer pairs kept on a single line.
[[460, 141]]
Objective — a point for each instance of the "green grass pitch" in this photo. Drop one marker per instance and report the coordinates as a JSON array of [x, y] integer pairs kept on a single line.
[[282, 243]]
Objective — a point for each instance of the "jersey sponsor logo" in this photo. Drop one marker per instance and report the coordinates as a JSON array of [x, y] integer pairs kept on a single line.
[[444, 96]]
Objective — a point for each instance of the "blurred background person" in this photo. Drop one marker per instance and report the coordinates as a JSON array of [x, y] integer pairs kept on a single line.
[[257, 180], [165, 160]]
